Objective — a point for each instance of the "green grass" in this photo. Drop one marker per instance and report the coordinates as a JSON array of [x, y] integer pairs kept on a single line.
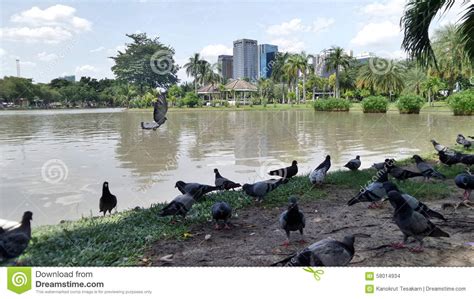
[[123, 238]]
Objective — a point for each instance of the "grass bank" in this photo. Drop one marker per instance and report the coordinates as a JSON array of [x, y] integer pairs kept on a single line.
[[123, 238]]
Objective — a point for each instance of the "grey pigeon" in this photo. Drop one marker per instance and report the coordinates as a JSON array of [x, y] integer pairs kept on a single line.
[[463, 141], [221, 211], [287, 172], [14, 241], [465, 181], [107, 201], [292, 219], [414, 203], [373, 192], [440, 148], [353, 164], [160, 108], [382, 165], [258, 190], [426, 169], [317, 176], [224, 183], [195, 189], [412, 223], [400, 173], [449, 159], [180, 205]]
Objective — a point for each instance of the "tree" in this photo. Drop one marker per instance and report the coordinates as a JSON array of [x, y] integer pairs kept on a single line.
[[388, 80], [414, 79], [432, 85], [278, 71], [416, 22], [146, 63], [337, 59], [193, 68], [14, 88]]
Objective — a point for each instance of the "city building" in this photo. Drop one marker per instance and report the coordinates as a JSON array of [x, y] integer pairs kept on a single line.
[[226, 63], [266, 57], [319, 63], [245, 64], [364, 57]]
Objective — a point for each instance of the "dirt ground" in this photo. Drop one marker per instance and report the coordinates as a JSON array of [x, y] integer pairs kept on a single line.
[[256, 240]]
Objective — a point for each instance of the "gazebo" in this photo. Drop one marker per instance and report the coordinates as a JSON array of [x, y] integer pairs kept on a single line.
[[208, 90], [241, 86]]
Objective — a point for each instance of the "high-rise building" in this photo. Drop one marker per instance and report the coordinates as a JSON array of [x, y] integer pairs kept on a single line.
[[319, 63], [266, 58], [225, 63], [245, 59]]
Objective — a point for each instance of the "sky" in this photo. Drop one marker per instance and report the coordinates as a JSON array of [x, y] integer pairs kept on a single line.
[[57, 38]]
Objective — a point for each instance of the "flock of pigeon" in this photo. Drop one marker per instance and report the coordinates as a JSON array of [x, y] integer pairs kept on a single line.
[[411, 215]]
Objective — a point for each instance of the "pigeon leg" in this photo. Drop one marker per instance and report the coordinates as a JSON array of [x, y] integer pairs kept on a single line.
[[398, 245], [217, 226], [375, 205], [418, 248], [302, 241], [226, 225], [287, 242]]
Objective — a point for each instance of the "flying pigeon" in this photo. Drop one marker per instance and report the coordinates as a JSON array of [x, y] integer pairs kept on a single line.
[[160, 107], [412, 223], [374, 192], [414, 203], [327, 252], [426, 169], [223, 183], [14, 241], [316, 177], [353, 164], [449, 160], [180, 205], [463, 141], [195, 189], [465, 181], [107, 201], [400, 173], [292, 219], [221, 211], [258, 190], [287, 172]]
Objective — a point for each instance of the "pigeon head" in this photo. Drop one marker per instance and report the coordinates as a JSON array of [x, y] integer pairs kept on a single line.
[[349, 240], [434, 142], [417, 158], [461, 136], [397, 200], [358, 157], [179, 184], [389, 186], [246, 187], [294, 163], [216, 170], [292, 201], [328, 157], [27, 216]]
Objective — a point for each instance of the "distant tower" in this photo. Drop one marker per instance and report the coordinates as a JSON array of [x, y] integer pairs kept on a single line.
[[18, 68]]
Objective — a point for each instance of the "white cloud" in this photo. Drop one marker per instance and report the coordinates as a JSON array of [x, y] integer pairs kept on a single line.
[[286, 28], [114, 51], [210, 52], [99, 49], [50, 35], [43, 56], [288, 45], [2, 52], [322, 24], [86, 69], [376, 34], [27, 64], [384, 9]]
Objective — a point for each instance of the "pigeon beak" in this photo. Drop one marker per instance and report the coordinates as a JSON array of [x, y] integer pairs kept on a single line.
[[384, 199]]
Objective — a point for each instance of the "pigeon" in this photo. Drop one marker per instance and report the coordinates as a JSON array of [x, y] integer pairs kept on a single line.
[[195, 189], [373, 192], [465, 181], [107, 201], [439, 147], [14, 241], [353, 164], [327, 252], [292, 219], [426, 169], [381, 165], [180, 205], [467, 160], [287, 172], [258, 190], [449, 160], [221, 211], [223, 183], [316, 177], [160, 107], [400, 173], [463, 141], [415, 204], [412, 223]]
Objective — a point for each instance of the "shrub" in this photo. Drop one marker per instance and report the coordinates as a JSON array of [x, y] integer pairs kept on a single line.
[[375, 104], [410, 104], [332, 104], [191, 99], [462, 103]]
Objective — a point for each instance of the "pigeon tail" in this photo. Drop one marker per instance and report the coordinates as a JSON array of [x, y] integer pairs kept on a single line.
[[437, 232]]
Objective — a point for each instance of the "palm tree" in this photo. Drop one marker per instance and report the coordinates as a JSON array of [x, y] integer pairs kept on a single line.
[[337, 59], [390, 81], [414, 79], [278, 71], [192, 68], [416, 23], [292, 68], [432, 86]]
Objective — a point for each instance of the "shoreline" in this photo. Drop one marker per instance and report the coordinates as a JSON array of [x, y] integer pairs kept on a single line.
[[124, 238]]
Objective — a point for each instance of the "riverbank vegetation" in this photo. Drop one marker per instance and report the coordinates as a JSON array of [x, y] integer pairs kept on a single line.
[[375, 104], [124, 237], [332, 104], [410, 104]]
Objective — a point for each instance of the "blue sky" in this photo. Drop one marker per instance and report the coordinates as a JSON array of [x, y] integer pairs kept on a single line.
[[54, 38]]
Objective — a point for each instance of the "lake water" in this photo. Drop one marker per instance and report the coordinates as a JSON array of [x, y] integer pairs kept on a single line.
[[54, 162]]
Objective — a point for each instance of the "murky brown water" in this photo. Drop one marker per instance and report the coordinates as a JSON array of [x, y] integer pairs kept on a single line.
[[54, 162]]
